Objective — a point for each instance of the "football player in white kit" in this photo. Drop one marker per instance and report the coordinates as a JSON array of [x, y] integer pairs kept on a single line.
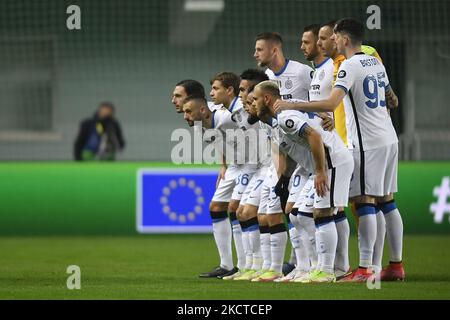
[[375, 151], [235, 174], [258, 254], [320, 89], [321, 153], [247, 212], [191, 88], [293, 79], [196, 109]]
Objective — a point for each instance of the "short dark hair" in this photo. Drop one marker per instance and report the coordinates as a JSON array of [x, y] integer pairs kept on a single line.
[[274, 37], [254, 75], [331, 24], [107, 104], [228, 79], [314, 28], [353, 28], [201, 100], [192, 88]]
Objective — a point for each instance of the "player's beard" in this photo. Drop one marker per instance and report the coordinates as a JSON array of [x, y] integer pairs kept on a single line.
[[252, 119], [262, 64], [264, 112]]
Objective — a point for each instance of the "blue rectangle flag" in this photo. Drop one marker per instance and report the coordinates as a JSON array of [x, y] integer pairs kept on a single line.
[[175, 200]]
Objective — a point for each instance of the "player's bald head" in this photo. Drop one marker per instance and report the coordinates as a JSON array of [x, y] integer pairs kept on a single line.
[[269, 87], [264, 96]]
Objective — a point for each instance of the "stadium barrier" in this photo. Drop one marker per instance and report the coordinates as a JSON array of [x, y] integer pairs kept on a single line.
[[103, 199]]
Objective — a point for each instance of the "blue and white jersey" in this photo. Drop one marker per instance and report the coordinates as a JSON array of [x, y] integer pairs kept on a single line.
[[293, 80], [322, 81], [213, 106], [365, 81], [239, 137], [292, 124]]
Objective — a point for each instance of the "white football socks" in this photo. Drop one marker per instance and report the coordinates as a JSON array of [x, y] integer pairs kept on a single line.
[[300, 250], [247, 249], [341, 261], [394, 230], [255, 244], [265, 247], [367, 234], [278, 240], [222, 236], [327, 242], [237, 236], [308, 231], [379, 243]]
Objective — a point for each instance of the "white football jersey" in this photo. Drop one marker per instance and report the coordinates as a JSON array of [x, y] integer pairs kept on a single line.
[[293, 122], [235, 130], [256, 143], [322, 81], [293, 80], [221, 122], [213, 106], [365, 80], [285, 143]]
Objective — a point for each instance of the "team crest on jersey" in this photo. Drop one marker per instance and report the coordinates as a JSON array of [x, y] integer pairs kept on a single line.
[[322, 75], [341, 74], [288, 84], [289, 123]]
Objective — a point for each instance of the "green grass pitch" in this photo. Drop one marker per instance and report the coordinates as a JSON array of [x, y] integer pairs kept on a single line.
[[166, 267]]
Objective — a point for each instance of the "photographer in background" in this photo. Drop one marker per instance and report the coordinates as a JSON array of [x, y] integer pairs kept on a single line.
[[99, 137]]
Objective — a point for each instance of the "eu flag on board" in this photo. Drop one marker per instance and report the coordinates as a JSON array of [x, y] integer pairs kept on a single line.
[[174, 200]]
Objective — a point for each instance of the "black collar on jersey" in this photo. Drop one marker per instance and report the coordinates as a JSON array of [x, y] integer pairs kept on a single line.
[[359, 53]]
